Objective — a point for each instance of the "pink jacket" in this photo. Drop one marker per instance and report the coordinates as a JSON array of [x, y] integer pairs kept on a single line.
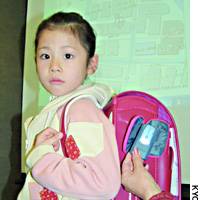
[[95, 174]]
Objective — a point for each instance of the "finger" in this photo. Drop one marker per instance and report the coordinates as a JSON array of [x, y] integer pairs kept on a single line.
[[146, 167], [54, 139], [49, 132], [46, 133], [137, 160], [56, 146], [127, 158], [127, 163]]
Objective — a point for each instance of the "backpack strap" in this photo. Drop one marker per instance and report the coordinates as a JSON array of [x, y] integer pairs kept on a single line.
[[63, 126], [62, 130]]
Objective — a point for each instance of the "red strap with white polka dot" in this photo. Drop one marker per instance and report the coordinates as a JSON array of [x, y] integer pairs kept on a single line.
[[72, 149], [46, 194]]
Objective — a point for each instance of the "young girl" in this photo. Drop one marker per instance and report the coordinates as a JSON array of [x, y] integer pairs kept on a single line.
[[86, 165]]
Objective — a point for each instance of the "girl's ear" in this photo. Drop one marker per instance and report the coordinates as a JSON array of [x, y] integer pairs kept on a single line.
[[92, 65]]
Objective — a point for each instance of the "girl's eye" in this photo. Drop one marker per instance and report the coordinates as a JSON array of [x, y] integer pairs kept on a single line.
[[44, 56], [68, 56]]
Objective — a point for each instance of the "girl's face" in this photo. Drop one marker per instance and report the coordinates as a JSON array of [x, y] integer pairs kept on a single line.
[[62, 61]]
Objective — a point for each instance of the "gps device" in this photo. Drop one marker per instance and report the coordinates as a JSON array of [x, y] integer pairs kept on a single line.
[[149, 138]]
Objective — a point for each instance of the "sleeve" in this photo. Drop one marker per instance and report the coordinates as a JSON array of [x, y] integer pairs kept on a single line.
[[96, 174], [26, 125], [163, 196]]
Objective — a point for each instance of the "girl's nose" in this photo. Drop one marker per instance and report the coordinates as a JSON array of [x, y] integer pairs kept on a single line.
[[55, 66]]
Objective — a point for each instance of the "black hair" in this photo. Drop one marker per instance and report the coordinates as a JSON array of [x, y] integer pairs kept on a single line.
[[73, 22]]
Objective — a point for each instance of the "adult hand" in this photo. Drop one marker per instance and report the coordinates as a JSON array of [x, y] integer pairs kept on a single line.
[[136, 179], [48, 136]]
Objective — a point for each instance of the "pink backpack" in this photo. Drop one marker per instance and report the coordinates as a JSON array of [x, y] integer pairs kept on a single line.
[[133, 111]]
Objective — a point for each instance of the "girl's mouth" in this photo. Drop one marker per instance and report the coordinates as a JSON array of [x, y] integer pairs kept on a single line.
[[56, 81]]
